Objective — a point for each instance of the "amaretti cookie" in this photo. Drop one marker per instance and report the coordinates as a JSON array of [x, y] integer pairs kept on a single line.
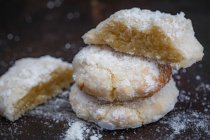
[[123, 78], [120, 115], [30, 82], [160, 36], [114, 76]]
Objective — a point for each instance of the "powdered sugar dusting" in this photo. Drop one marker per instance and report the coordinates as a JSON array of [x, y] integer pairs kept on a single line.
[[118, 113], [59, 110], [190, 120], [173, 25], [80, 131], [54, 109], [32, 70], [122, 72], [75, 132], [185, 122]]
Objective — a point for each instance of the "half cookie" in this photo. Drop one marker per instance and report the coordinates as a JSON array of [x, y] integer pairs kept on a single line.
[[156, 35], [114, 76], [30, 82], [120, 115]]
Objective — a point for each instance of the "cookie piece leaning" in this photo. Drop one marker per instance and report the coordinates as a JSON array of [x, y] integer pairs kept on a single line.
[[156, 35], [121, 115], [114, 76], [30, 82]]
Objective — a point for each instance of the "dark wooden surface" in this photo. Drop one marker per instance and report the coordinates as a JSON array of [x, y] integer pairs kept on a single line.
[[32, 28]]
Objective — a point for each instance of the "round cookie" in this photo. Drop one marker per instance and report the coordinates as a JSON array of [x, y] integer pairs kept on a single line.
[[121, 115], [114, 76]]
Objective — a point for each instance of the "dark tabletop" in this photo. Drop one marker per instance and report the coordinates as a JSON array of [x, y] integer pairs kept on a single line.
[[31, 28]]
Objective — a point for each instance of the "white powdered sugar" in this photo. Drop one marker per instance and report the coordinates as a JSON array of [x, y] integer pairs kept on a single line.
[[130, 114], [59, 110], [184, 96], [80, 131], [21, 79], [203, 87], [185, 122], [27, 72], [104, 70], [54, 109], [75, 132], [173, 25], [186, 117], [181, 122]]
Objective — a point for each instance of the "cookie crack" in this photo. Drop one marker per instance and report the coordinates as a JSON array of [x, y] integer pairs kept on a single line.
[[113, 87]]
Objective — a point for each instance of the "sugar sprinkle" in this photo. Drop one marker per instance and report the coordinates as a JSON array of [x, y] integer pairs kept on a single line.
[[80, 131]]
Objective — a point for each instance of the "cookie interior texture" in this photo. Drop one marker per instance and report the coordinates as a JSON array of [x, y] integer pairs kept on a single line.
[[39, 94], [160, 36], [152, 43], [30, 82], [122, 115]]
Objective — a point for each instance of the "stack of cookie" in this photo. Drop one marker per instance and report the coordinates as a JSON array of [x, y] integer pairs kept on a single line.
[[123, 79]]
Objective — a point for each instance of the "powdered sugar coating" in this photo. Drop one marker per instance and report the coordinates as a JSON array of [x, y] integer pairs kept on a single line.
[[24, 75], [111, 75], [177, 28], [174, 26], [121, 115]]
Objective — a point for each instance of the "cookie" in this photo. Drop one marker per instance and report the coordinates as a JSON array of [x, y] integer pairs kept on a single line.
[[114, 76], [151, 34], [30, 82], [121, 115]]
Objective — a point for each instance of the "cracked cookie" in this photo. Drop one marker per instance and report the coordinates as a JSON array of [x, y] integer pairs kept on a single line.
[[121, 115], [30, 82], [114, 76]]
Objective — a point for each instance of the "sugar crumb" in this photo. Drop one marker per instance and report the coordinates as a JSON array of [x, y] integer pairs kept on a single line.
[[198, 77], [75, 132], [79, 130]]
